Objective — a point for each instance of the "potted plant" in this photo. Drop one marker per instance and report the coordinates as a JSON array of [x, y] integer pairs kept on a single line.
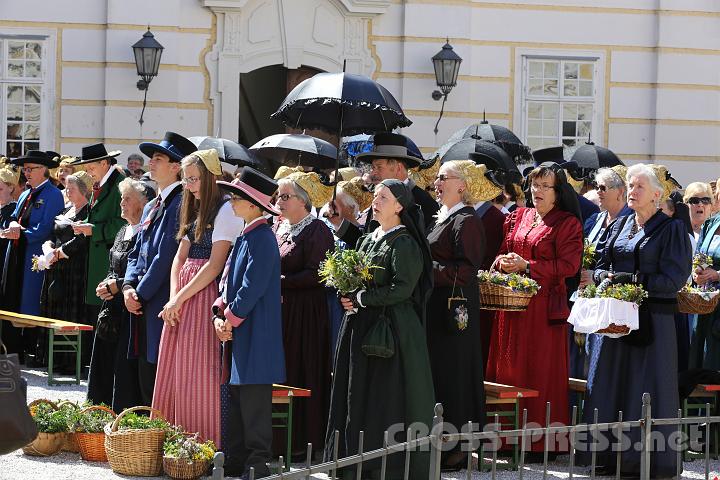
[[52, 424], [186, 456]]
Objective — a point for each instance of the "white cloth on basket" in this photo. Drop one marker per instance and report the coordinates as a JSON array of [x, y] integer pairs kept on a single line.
[[589, 315]]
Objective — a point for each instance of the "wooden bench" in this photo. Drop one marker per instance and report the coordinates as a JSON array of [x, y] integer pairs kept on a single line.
[[500, 394], [68, 333], [284, 395], [709, 395]]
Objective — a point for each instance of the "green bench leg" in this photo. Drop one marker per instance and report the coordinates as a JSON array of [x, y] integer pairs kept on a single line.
[[51, 354], [289, 434], [74, 342]]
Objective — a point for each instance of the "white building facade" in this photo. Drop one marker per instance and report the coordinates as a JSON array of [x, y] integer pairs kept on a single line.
[[639, 76]]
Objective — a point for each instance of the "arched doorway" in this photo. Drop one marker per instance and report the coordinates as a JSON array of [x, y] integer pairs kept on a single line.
[[261, 93]]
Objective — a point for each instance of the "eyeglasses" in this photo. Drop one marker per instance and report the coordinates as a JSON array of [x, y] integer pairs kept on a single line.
[[542, 186], [29, 169], [603, 188], [287, 196], [190, 180], [698, 200], [443, 177]]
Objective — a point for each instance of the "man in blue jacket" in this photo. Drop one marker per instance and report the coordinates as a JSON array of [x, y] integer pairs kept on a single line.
[[146, 288], [31, 225]]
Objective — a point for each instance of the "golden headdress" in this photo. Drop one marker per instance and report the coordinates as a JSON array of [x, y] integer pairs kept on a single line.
[[425, 177], [661, 172], [356, 188], [85, 178], [67, 161], [210, 159], [620, 170], [9, 175], [479, 187], [319, 193], [284, 171], [4, 161], [347, 173]]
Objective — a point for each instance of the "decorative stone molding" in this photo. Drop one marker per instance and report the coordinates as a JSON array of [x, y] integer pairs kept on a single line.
[[253, 34]]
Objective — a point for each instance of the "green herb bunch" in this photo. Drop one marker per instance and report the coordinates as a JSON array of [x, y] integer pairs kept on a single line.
[[589, 258], [91, 421], [346, 270], [625, 292], [50, 420], [141, 422]]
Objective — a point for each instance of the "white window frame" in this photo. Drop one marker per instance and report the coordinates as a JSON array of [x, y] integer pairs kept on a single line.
[[47, 82], [598, 57]]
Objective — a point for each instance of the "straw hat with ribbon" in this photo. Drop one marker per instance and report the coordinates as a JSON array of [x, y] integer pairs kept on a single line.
[[319, 193], [479, 187], [211, 160], [9, 175], [356, 188], [284, 171]]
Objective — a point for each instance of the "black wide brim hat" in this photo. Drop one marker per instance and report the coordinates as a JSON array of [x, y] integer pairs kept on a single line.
[[95, 153], [254, 187], [36, 156], [391, 146], [174, 145]]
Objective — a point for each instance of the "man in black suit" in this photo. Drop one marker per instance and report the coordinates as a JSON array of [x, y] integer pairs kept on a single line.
[[389, 159]]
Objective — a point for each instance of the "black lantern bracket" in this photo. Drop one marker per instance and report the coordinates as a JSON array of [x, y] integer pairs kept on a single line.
[[147, 52], [446, 64]]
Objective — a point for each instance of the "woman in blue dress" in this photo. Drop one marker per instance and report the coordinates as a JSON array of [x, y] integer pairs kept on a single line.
[[705, 345], [651, 249], [612, 192]]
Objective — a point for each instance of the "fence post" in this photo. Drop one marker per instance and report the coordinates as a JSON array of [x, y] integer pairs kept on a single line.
[[218, 472], [436, 443], [646, 437]]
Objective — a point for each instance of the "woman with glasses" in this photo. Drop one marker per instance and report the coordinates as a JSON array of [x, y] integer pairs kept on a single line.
[[699, 199], [303, 241], [457, 243], [645, 248], [705, 344], [611, 190], [187, 385], [529, 348]]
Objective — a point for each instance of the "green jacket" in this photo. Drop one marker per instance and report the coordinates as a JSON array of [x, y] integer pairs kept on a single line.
[[105, 216]]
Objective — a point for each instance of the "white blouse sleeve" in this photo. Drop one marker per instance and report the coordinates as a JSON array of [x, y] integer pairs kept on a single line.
[[227, 226]]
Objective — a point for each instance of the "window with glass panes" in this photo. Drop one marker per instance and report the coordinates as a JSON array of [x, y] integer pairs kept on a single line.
[[21, 87], [559, 100]]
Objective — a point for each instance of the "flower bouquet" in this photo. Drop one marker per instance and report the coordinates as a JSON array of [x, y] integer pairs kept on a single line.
[[185, 456], [607, 309], [589, 258], [505, 291], [42, 262], [699, 299], [346, 270]]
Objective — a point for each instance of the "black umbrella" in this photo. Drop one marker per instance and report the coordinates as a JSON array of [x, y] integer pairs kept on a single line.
[[342, 104], [495, 158], [499, 135], [230, 152], [297, 149], [591, 156]]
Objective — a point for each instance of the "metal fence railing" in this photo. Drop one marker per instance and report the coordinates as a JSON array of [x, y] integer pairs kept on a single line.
[[692, 433]]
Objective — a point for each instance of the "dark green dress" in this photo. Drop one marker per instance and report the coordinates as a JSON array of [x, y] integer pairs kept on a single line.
[[375, 394]]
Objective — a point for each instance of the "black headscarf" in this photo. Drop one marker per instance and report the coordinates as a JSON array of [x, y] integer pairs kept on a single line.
[[412, 218], [682, 211], [566, 196]]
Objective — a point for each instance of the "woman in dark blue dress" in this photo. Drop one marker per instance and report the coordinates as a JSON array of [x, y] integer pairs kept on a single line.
[[651, 249]]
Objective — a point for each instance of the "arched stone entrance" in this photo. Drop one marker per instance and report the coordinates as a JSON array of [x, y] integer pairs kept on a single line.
[[252, 34]]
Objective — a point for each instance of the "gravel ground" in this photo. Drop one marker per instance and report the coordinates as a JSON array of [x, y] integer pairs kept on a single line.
[[68, 466]]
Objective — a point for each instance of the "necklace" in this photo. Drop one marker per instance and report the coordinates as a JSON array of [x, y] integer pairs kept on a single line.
[[537, 221], [634, 229]]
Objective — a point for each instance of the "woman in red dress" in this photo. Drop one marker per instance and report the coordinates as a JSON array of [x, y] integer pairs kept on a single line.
[[529, 349]]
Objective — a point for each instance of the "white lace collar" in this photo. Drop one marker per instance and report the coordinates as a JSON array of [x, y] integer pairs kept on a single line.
[[379, 233], [445, 212], [296, 229]]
